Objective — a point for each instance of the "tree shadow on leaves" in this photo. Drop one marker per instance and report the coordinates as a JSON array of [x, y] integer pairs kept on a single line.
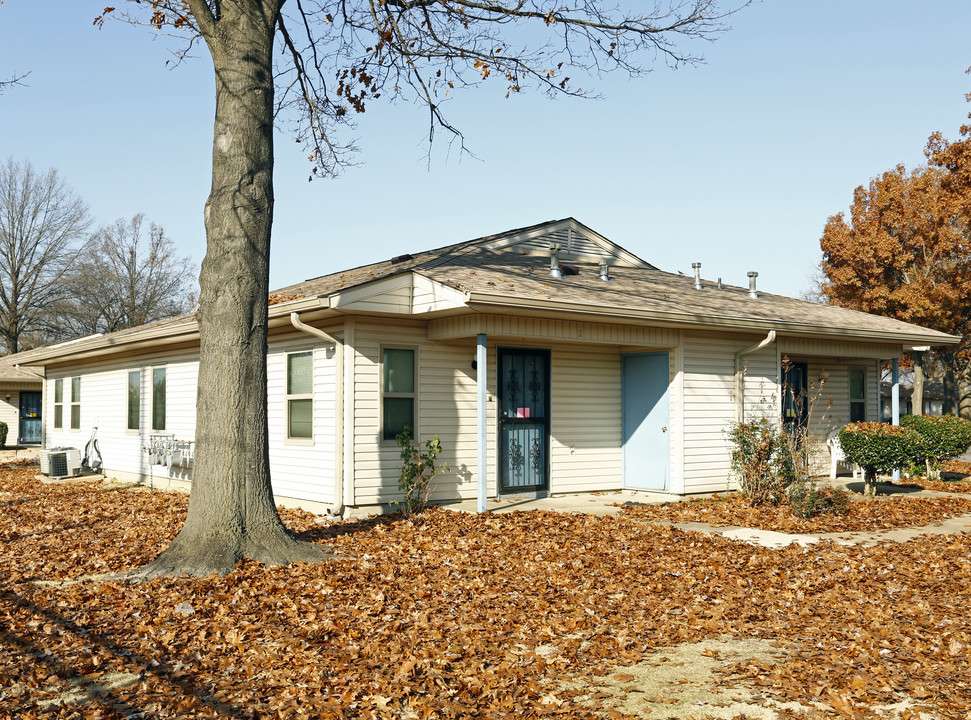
[[80, 678]]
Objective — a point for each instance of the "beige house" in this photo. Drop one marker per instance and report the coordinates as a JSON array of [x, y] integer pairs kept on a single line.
[[547, 359], [21, 403]]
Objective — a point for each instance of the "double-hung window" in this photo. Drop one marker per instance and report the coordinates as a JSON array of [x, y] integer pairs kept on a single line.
[[134, 399], [857, 394], [59, 404], [158, 398], [397, 391], [75, 403], [300, 398]]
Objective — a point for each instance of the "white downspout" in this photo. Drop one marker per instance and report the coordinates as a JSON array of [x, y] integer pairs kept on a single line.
[[338, 411], [740, 376]]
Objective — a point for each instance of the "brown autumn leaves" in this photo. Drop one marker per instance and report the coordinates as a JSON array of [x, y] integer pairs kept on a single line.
[[459, 615]]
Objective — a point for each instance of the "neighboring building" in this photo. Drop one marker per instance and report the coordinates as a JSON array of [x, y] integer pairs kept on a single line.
[[614, 375], [933, 397], [21, 403]]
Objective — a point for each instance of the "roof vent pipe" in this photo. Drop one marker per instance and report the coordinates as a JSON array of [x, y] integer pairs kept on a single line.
[[604, 270], [555, 260], [720, 286], [697, 268], [752, 292]]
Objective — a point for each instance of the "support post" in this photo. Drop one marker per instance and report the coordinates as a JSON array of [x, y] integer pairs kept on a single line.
[[895, 402], [482, 406]]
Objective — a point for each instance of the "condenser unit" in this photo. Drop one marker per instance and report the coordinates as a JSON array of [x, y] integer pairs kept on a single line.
[[60, 462]]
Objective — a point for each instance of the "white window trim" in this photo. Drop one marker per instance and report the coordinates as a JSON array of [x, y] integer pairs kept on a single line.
[[57, 405], [287, 397], [75, 403], [151, 397], [141, 404], [416, 414]]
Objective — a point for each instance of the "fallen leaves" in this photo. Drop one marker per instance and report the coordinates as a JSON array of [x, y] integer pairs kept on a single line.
[[455, 615], [881, 513]]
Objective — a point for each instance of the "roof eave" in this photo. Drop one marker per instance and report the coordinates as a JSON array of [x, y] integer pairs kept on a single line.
[[712, 322]]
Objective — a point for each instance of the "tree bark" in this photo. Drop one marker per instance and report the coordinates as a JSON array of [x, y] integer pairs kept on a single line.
[[231, 513]]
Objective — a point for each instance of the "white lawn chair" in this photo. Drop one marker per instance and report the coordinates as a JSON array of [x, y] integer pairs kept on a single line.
[[836, 455]]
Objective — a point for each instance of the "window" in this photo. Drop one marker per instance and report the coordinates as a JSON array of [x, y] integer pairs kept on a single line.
[[158, 398], [75, 403], [300, 402], [857, 394], [134, 399], [397, 391], [59, 403]]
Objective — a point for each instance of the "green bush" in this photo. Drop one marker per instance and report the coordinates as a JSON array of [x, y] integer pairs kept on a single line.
[[880, 448], [3, 434], [761, 461], [942, 436]]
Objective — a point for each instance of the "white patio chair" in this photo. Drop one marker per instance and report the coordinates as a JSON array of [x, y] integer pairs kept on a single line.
[[836, 455]]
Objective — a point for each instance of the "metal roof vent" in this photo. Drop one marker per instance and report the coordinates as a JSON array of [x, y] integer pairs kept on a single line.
[[604, 270], [752, 292], [401, 258], [720, 286], [555, 260], [697, 268]]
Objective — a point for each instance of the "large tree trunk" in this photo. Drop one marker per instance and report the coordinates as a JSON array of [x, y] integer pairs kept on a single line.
[[231, 512]]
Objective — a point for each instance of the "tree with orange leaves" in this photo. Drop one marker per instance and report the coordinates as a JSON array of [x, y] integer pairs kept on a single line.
[[905, 251]]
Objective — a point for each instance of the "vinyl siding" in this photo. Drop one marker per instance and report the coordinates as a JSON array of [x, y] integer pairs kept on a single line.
[[104, 404], [709, 403], [305, 469], [585, 383], [299, 472]]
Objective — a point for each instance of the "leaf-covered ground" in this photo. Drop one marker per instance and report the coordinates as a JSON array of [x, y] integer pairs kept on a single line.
[[882, 513], [465, 616]]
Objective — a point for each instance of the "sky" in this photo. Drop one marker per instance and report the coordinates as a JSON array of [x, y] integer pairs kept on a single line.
[[736, 163]]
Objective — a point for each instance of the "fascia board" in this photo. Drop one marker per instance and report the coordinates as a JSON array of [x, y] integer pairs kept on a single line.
[[710, 322], [157, 337]]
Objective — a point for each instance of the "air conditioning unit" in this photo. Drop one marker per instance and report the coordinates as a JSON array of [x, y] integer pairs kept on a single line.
[[60, 462]]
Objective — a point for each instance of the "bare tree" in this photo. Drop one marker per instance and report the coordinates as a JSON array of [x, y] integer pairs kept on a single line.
[[14, 79], [128, 275], [337, 57], [43, 226]]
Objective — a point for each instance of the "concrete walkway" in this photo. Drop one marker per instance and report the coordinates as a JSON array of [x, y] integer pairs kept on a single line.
[[609, 504]]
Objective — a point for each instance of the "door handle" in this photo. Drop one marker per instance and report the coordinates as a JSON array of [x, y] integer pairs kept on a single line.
[[664, 429]]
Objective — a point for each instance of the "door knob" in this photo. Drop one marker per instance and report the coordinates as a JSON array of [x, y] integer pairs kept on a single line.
[[664, 429]]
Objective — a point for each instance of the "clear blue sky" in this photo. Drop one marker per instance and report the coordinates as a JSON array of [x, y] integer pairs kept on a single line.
[[736, 163]]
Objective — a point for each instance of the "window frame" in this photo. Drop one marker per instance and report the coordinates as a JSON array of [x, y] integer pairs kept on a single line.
[[289, 397], [849, 392], [75, 420], [152, 424], [138, 400], [413, 395], [58, 419]]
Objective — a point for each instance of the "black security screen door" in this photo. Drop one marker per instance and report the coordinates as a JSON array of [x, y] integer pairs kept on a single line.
[[524, 409]]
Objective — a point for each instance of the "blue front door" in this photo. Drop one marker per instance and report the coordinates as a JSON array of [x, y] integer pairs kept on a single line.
[[646, 416], [524, 430], [30, 418]]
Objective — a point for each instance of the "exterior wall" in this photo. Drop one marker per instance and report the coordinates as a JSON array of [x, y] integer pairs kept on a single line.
[[104, 404], [10, 412], [585, 411], [300, 469], [709, 404], [445, 405], [585, 442], [301, 472]]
